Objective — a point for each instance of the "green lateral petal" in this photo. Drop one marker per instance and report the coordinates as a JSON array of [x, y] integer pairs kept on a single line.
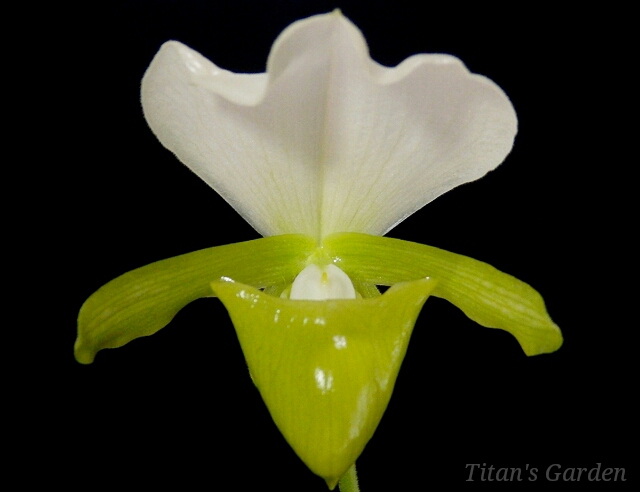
[[486, 295], [144, 300], [325, 369]]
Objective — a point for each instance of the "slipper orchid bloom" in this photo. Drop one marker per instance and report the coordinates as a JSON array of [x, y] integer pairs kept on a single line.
[[323, 154]]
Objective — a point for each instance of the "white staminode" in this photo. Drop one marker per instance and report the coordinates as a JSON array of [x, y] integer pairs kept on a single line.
[[318, 283]]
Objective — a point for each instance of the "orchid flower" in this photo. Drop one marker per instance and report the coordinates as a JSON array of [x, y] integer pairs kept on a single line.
[[323, 154]]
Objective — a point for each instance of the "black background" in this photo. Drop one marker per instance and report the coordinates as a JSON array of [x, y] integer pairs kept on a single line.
[[180, 408]]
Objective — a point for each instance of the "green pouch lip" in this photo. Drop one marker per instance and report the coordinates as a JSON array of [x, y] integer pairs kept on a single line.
[[325, 369]]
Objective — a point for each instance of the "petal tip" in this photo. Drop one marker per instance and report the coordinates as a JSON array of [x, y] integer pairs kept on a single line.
[[551, 342], [83, 354]]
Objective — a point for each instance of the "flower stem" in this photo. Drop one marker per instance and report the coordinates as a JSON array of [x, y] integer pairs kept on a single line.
[[349, 481]]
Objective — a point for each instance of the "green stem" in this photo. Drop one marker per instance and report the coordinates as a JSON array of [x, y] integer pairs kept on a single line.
[[349, 481]]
